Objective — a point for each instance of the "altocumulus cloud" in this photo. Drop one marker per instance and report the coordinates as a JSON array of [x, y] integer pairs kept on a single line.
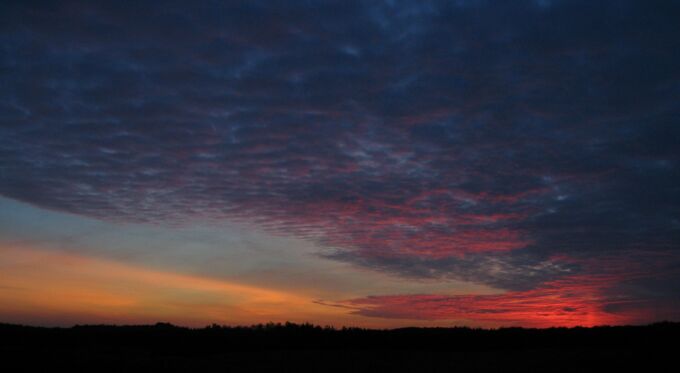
[[516, 144]]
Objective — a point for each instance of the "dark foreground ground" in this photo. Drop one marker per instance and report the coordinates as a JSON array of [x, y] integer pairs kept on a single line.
[[294, 348]]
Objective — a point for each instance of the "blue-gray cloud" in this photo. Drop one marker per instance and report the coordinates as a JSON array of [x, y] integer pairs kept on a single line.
[[477, 140]]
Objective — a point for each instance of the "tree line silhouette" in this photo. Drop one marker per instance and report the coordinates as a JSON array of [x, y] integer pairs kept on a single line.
[[306, 347]]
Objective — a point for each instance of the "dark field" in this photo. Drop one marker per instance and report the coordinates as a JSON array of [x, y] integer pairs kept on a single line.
[[292, 348]]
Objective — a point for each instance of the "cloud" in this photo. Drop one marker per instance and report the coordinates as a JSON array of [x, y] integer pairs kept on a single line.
[[565, 302], [492, 142], [572, 300]]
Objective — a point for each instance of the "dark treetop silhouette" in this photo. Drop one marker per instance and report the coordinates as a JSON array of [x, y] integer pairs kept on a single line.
[[297, 347]]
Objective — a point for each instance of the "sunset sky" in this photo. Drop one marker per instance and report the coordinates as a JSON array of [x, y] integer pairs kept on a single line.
[[361, 163]]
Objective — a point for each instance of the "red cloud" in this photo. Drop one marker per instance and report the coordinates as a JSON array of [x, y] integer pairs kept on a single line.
[[570, 301]]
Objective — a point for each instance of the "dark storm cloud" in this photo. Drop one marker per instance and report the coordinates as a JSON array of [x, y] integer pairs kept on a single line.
[[497, 142]]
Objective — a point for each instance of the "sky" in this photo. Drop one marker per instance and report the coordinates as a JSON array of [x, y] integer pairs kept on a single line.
[[349, 163]]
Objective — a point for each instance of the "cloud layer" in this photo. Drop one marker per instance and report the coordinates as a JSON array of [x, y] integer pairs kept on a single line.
[[507, 143]]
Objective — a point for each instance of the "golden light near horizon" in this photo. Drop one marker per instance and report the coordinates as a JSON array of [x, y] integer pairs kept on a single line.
[[46, 284]]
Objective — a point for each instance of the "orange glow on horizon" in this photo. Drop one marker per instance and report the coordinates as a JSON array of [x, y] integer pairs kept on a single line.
[[47, 287], [60, 288]]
